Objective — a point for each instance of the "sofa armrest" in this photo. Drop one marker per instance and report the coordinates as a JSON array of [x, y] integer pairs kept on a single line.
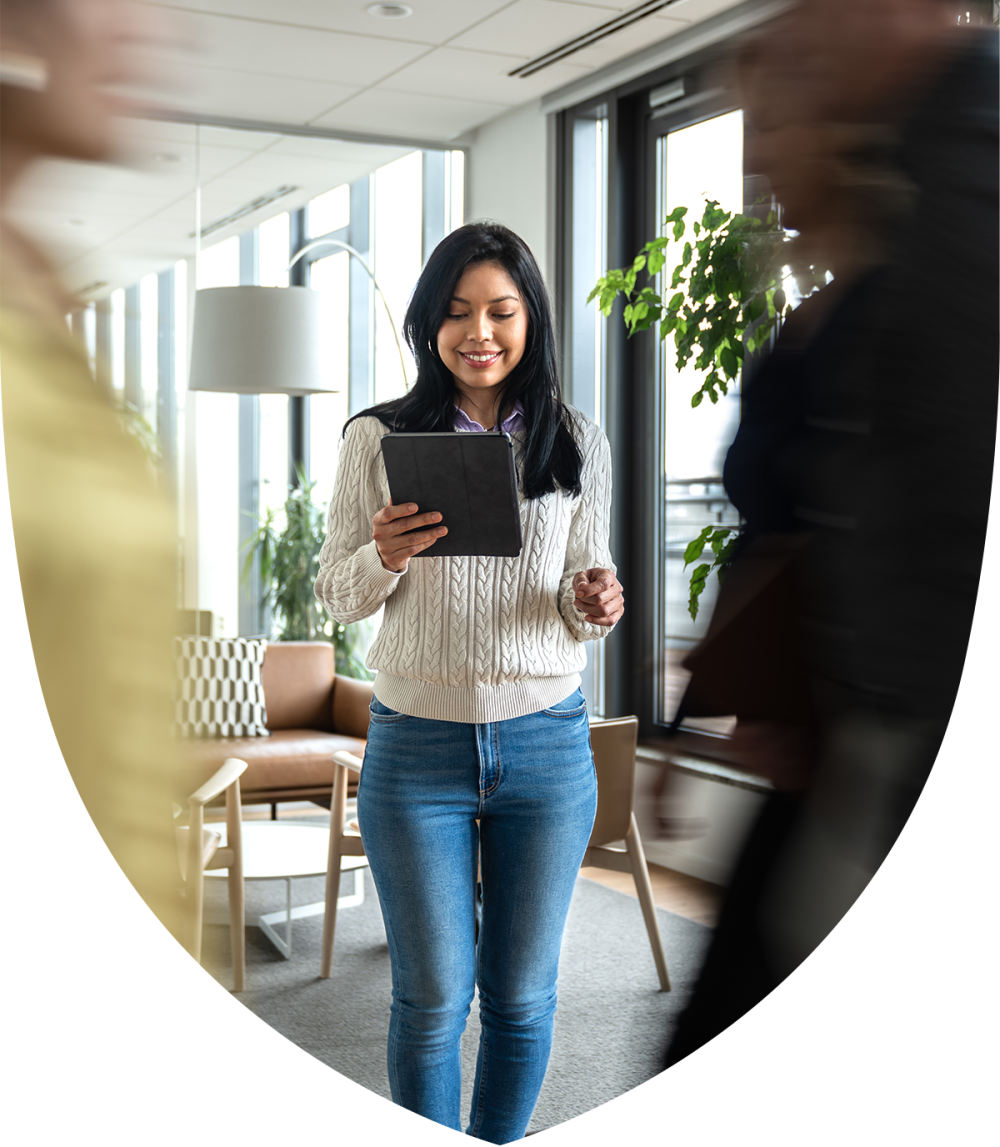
[[351, 700]]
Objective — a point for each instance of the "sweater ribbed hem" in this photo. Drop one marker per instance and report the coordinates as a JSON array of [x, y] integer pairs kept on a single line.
[[473, 706]]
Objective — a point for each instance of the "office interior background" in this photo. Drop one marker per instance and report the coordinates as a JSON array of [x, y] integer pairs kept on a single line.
[[385, 130]]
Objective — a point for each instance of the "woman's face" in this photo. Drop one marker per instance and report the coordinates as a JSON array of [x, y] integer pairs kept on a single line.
[[485, 330]]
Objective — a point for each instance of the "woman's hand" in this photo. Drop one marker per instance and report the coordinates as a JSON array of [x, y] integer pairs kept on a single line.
[[395, 546], [599, 596]]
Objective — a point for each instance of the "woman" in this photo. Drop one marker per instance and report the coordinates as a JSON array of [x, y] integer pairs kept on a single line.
[[477, 714]]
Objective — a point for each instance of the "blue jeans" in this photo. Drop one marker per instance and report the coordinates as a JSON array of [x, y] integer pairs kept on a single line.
[[530, 782]]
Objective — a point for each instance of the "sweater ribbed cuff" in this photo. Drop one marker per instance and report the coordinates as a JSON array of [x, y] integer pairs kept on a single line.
[[374, 573]]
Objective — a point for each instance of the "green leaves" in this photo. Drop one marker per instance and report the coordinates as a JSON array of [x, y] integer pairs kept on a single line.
[[724, 292], [697, 588], [720, 540], [726, 301]]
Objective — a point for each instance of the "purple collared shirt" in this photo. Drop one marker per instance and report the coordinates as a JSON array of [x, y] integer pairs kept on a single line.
[[513, 422]]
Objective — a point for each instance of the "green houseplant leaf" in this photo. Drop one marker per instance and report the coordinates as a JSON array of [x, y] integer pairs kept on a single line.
[[726, 300]]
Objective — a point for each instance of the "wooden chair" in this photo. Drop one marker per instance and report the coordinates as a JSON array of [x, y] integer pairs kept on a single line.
[[344, 841], [198, 851], [614, 744]]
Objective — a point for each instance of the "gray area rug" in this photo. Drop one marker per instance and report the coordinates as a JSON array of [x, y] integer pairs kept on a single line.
[[612, 1022]]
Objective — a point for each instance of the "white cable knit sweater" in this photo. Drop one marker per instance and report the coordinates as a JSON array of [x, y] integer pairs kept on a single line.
[[470, 639]]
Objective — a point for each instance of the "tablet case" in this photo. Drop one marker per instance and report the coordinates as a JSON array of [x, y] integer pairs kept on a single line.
[[467, 478]]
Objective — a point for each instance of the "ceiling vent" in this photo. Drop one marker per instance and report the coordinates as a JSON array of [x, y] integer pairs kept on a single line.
[[633, 16], [246, 209]]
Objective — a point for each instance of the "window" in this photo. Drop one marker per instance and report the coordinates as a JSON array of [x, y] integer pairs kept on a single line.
[[694, 164], [624, 160]]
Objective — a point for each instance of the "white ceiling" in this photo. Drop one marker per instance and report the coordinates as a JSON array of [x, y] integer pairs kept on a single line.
[[435, 75]]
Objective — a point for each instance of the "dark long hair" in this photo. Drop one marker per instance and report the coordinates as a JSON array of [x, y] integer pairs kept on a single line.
[[551, 454]]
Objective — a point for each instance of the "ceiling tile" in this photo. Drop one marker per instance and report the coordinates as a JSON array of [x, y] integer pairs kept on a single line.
[[249, 95], [418, 115], [452, 71], [432, 21], [276, 49], [695, 10]]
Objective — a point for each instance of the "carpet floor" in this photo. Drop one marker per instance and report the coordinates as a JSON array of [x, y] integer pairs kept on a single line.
[[612, 1022]]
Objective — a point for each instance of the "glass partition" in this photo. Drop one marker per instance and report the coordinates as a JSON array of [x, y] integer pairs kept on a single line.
[[259, 197]]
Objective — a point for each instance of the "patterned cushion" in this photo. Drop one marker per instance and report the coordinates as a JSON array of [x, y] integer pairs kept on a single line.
[[219, 690]]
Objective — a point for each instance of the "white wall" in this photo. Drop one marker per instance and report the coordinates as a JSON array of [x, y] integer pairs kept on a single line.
[[508, 177]]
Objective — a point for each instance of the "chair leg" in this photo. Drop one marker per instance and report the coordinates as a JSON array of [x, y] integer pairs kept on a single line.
[[194, 879], [640, 874], [338, 813], [237, 923]]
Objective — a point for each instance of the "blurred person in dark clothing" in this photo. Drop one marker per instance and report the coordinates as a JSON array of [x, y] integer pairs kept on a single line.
[[868, 437]]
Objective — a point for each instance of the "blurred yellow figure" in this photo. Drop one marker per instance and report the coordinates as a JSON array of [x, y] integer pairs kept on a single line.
[[96, 544]]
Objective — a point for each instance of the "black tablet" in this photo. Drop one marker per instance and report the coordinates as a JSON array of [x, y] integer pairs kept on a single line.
[[469, 479]]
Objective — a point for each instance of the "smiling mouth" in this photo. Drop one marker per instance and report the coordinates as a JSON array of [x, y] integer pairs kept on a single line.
[[481, 360]]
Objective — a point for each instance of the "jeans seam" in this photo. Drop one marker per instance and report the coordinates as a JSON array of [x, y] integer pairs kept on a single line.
[[496, 753], [394, 960], [493, 726], [483, 1060]]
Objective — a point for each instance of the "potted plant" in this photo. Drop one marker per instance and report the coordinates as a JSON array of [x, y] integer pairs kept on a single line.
[[727, 301], [287, 543]]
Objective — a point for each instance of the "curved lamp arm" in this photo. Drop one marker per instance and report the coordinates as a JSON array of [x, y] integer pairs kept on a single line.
[[371, 274]]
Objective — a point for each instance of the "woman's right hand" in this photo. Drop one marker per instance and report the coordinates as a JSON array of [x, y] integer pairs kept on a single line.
[[395, 546]]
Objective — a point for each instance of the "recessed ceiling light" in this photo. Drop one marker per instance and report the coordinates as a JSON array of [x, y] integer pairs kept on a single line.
[[389, 11]]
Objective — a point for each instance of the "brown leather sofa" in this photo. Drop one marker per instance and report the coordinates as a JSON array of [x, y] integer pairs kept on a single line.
[[311, 713]]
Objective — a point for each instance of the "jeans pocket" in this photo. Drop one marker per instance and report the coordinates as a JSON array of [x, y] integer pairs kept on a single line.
[[574, 705], [382, 714]]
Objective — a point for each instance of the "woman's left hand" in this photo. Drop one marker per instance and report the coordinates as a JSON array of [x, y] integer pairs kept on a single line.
[[599, 596]]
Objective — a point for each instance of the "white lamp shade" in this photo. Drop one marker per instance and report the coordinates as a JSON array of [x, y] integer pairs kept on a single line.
[[258, 340]]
